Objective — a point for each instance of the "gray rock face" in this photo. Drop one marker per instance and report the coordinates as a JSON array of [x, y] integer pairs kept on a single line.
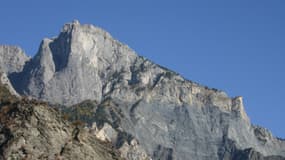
[[129, 148], [12, 59], [6, 82], [172, 118], [75, 65], [99, 122]]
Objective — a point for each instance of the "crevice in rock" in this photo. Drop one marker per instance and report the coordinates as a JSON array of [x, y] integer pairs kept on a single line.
[[163, 153], [75, 134], [133, 110], [61, 49], [7, 136]]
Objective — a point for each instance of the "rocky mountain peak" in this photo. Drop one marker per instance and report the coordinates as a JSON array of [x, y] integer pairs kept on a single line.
[[85, 54], [169, 116], [69, 26], [239, 107]]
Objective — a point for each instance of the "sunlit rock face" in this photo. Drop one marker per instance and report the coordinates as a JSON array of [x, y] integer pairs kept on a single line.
[[12, 59], [74, 66], [169, 116]]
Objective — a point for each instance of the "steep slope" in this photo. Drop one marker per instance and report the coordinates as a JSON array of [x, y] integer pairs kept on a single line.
[[12, 61], [5, 81], [172, 118], [74, 66], [31, 130], [96, 117]]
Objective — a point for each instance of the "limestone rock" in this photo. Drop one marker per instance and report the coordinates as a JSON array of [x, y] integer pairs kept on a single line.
[[129, 149], [12, 59], [133, 151], [170, 117], [107, 133], [6, 82], [67, 65]]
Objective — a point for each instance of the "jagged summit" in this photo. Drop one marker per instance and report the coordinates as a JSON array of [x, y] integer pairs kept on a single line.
[[171, 117], [69, 26], [76, 22], [74, 65], [76, 26]]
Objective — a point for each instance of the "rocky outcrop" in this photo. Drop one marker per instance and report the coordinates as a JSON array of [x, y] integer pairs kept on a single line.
[[106, 130], [31, 130], [230, 152], [12, 59], [168, 116], [66, 65], [6, 96], [128, 147], [4, 80]]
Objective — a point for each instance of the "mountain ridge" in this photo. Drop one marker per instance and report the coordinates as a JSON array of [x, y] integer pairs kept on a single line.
[[144, 99]]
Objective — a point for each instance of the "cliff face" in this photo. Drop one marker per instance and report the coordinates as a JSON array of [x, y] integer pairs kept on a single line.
[[12, 61], [75, 66], [169, 116]]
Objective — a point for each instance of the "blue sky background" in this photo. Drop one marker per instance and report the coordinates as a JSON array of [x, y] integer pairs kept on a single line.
[[236, 46]]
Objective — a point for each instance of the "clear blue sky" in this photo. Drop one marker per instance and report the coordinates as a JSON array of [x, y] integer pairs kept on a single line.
[[236, 46]]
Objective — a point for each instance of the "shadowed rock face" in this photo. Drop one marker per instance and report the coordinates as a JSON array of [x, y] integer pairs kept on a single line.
[[170, 117], [12, 61]]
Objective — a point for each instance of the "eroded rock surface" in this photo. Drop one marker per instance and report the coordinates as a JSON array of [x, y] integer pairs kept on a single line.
[[169, 117], [12, 59]]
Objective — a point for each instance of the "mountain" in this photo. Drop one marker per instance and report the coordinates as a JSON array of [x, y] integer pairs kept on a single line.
[[99, 80]]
